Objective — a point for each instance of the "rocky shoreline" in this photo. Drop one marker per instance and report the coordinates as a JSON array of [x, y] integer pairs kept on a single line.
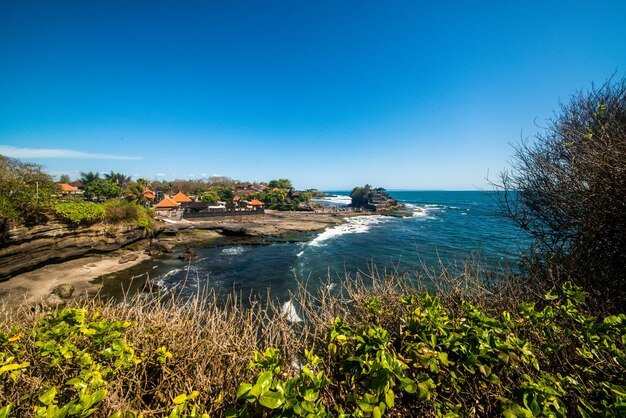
[[36, 260]]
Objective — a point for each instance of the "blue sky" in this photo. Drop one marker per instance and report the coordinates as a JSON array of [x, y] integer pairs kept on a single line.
[[403, 95]]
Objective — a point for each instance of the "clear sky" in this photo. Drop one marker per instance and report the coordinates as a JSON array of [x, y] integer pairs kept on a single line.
[[331, 94]]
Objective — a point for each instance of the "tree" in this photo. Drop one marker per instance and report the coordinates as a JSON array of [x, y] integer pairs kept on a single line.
[[280, 184], [224, 193], [64, 178], [143, 183], [24, 193], [134, 193], [567, 187], [102, 189], [119, 178], [87, 178], [361, 196], [209, 197]]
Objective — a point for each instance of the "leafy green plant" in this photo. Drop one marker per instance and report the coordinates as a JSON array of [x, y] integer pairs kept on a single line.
[[298, 396], [545, 359], [536, 363], [122, 211], [78, 213]]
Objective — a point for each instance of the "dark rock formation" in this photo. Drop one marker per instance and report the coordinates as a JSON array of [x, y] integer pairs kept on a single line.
[[188, 255], [156, 247], [128, 257], [53, 301], [64, 291]]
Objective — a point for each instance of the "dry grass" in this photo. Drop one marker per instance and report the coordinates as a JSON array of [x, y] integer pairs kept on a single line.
[[212, 340]]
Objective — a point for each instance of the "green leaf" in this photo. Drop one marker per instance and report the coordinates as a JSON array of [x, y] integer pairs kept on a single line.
[[311, 395], [98, 396], [408, 385], [389, 398], [425, 389], [5, 411], [180, 399], [48, 396], [365, 406], [516, 411], [264, 379], [376, 413], [272, 400], [243, 390]]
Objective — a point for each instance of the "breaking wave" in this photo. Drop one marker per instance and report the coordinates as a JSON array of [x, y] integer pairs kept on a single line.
[[356, 225], [238, 250], [335, 200]]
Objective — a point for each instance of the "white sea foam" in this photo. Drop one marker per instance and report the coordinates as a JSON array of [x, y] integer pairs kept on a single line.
[[289, 312], [338, 200], [238, 250], [356, 225], [172, 273], [424, 211]]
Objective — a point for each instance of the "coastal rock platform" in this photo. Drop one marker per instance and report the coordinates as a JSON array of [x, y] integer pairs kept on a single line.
[[37, 259]]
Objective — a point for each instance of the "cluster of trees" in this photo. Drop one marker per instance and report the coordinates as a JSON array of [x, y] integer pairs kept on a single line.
[[194, 187], [24, 190], [281, 195], [97, 188], [362, 196], [567, 187], [29, 196], [217, 193]]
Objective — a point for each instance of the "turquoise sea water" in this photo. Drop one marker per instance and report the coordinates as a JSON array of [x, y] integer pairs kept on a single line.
[[440, 225]]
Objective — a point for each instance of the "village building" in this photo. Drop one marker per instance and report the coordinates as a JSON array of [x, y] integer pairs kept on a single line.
[[167, 207], [180, 197], [149, 195], [256, 203], [67, 189]]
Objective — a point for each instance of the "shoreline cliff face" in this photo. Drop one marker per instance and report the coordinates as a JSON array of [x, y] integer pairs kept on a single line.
[[29, 248]]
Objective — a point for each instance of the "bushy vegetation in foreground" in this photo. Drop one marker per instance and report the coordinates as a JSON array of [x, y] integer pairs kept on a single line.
[[566, 188], [385, 349]]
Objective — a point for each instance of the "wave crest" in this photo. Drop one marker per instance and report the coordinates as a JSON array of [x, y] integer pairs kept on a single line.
[[356, 225]]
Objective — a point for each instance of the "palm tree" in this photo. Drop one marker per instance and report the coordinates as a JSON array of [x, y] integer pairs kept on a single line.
[[118, 178], [87, 178], [134, 193]]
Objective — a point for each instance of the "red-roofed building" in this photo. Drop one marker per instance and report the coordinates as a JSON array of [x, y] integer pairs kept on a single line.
[[256, 203], [180, 197], [166, 207], [149, 194], [67, 189]]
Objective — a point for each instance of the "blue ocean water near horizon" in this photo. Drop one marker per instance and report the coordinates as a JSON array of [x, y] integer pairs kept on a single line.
[[447, 226]]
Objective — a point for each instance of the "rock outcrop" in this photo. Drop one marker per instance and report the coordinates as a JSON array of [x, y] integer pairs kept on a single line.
[[31, 248]]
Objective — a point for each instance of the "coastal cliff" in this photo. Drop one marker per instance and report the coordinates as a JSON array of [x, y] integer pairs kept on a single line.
[[31, 248], [34, 247]]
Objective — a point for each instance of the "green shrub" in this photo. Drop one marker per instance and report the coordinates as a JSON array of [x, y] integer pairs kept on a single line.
[[181, 360], [552, 362], [77, 213], [122, 211], [118, 211], [25, 191], [566, 188]]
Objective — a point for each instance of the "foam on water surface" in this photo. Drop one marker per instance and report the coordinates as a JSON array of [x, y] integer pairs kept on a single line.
[[356, 225]]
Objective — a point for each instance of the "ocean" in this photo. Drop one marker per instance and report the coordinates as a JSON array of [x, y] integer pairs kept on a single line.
[[446, 226]]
